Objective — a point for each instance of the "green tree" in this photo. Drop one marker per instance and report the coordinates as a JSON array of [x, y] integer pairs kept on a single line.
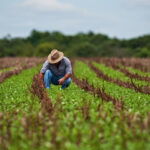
[[143, 53], [45, 48], [85, 50]]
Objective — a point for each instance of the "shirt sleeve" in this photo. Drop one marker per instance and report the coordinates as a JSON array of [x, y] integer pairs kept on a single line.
[[68, 66], [45, 67]]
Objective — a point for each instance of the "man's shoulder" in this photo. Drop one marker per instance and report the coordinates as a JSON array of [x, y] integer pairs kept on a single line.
[[46, 62], [66, 59]]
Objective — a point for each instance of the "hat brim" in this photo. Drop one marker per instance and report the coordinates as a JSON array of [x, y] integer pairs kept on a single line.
[[61, 55]]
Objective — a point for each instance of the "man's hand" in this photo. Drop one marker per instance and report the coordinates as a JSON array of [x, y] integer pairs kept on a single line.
[[61, 81]]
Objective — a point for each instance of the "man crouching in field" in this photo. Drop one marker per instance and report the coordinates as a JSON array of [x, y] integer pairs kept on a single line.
[[56, 70]]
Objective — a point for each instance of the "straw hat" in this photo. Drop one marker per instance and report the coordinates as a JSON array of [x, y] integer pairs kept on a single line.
[[55, 56]]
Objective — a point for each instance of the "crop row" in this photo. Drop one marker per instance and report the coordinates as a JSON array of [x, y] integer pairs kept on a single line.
[[98, 117], [96, 91], [124, 70], [138, 72], [26, 64], [116, 74], [135, 102], [8, 62], [93, 130], [138, 88], [137, 63], [17, 105], [41, 129], [119, 105]]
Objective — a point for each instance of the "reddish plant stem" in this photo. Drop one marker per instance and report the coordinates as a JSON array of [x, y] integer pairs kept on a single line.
[[124, 70], [8, 74], [132, 119], [138, 88], [39, 91], [99, 92]]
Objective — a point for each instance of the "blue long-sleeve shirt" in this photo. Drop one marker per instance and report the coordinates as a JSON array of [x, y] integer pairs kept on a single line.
[[64, 67]]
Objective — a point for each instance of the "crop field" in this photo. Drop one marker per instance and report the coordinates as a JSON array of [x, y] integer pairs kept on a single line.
[[106, 107]]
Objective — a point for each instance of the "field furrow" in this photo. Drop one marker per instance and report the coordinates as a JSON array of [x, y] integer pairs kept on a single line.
[[8, 62], [126, 70], [139, 72], [135, 102], [142, 64], [92, 113], [19, 69], [81, 117], [96, 91], [18, 110], [39, 91], [133, 85], [22, 117]]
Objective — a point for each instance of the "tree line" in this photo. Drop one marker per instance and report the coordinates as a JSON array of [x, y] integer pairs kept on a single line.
[[81, 44]]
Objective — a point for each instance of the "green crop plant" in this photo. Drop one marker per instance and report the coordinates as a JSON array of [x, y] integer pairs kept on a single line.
[[14, 92], [7, 69], [79, 120], [139, 72], [115, 74], [134, 101], [19, 110], [103, 129]]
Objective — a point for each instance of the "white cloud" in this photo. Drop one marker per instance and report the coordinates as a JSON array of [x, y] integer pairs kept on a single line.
[[48, 5], [63, 9]]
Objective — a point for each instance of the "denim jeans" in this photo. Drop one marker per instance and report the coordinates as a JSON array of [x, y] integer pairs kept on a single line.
[[49, 78]]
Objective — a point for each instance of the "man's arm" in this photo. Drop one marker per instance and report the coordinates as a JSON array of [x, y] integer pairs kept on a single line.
[[68, 71], [62, 80]]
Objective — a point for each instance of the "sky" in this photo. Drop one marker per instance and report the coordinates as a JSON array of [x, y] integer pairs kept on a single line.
[[115, 18]]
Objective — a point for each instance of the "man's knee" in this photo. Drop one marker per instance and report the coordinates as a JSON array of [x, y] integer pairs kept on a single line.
[[68, 81], [48, 73]]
